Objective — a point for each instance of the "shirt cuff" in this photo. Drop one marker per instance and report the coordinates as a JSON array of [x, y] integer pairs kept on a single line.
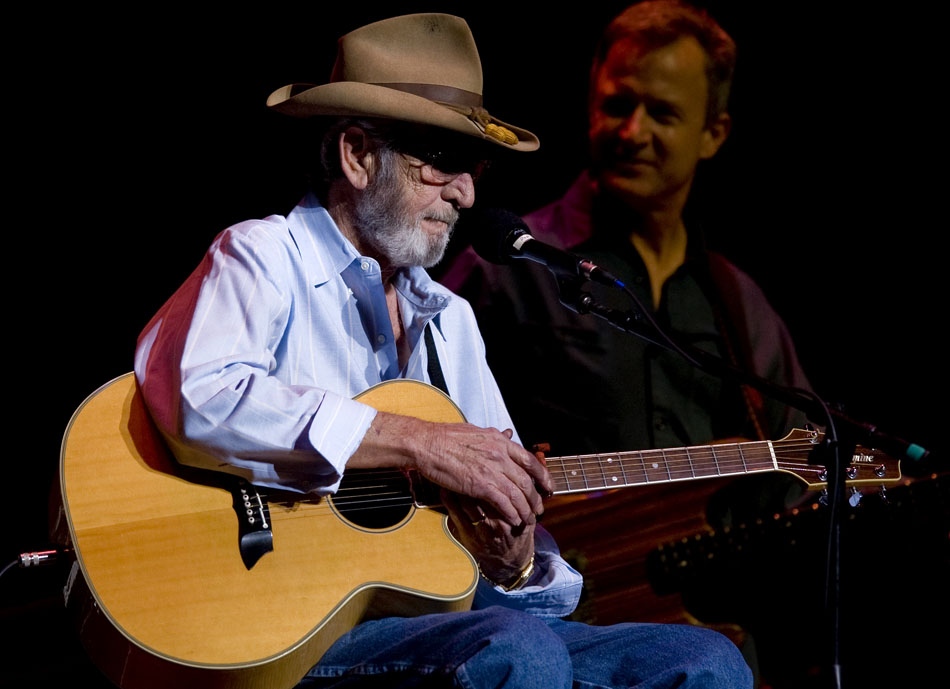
[[337, 429], [552, 591]]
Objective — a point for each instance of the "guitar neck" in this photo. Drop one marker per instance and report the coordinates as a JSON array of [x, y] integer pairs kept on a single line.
[[581, 473]]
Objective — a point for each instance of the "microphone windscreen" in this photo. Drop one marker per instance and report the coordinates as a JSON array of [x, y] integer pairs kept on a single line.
[[490, 230]]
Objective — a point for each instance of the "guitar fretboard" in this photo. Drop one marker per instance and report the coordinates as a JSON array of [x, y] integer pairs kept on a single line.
[[579, 473]]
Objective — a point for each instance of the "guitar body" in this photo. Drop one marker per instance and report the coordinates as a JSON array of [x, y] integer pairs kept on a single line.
[[159, 586]]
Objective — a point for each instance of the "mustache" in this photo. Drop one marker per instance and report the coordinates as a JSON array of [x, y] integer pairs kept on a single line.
[[449, 217]]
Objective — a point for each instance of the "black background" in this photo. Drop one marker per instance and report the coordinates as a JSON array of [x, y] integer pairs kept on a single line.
[[135, 138]]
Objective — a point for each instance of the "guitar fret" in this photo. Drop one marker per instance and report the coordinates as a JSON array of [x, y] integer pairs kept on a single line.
[[678, 468], [705, 462], [655, 472], [573, 475], [603, 475], [762, 458], [729, 460], [612, 469], [593, 473], [689, 459], [634, 472], [712, 448]]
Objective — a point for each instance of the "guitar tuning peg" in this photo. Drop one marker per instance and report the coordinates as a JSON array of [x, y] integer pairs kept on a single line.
[[823, 498], [855, 498], [882, 494]]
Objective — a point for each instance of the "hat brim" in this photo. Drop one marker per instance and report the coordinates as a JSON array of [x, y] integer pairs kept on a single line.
[[357, 99]]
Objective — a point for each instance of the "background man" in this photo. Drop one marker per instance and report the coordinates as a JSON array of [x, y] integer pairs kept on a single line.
[[658, 106], [251, 366]]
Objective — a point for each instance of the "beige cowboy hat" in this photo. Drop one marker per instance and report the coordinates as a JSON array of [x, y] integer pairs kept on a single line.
[[421, 68]]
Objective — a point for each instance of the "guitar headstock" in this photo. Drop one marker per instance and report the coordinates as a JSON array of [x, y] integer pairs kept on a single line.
[[868, 466]]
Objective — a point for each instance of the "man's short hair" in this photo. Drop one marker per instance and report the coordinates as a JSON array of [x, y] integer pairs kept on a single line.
[[655, 24], [320, 155]]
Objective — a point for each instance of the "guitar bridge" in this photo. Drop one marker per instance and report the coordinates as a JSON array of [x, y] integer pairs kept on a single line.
[[255, 537]]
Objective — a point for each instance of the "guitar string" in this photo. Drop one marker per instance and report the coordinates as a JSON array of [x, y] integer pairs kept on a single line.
[[723, 452], [672, 456], [684, 456], [393, 499], [638, 476], [677, 461]]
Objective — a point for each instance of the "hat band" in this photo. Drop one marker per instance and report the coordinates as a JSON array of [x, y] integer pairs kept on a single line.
[[440, 94], [466, 103]]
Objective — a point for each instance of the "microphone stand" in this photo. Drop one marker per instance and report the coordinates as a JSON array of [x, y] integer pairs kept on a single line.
[[834, 453]]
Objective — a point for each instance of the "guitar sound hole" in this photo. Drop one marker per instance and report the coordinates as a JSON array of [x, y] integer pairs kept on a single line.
[[374, 499]]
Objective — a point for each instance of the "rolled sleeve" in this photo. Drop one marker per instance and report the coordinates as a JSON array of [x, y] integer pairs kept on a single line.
[[337, 430]]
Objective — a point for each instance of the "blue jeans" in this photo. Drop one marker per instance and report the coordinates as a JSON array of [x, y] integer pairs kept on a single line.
[[500, 648]]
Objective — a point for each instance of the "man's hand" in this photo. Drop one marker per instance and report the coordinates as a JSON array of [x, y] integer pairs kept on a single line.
[[486, 465], [480, 463], [502, 551]]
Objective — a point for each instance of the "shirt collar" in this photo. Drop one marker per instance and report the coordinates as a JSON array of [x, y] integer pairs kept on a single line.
[[323, 248], [327, 253]]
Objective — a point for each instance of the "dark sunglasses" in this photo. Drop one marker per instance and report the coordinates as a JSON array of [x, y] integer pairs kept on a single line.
[[448, 157]]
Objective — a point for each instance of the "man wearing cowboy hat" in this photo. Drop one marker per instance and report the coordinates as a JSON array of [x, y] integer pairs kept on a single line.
[[252, 365]]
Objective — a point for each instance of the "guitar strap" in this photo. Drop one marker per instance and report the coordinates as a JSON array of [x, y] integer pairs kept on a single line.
[[435, 369]]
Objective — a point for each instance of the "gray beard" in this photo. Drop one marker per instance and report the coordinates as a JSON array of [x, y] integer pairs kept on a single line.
[[383, 222]]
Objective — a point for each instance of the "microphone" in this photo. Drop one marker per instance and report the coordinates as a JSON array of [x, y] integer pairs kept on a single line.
[[499, 236]]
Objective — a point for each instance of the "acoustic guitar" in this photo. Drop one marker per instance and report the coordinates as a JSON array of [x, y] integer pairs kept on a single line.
[[195, 579]]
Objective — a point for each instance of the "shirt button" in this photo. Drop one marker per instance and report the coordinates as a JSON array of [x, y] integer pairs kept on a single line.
[[381, 339], [364, 265]]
